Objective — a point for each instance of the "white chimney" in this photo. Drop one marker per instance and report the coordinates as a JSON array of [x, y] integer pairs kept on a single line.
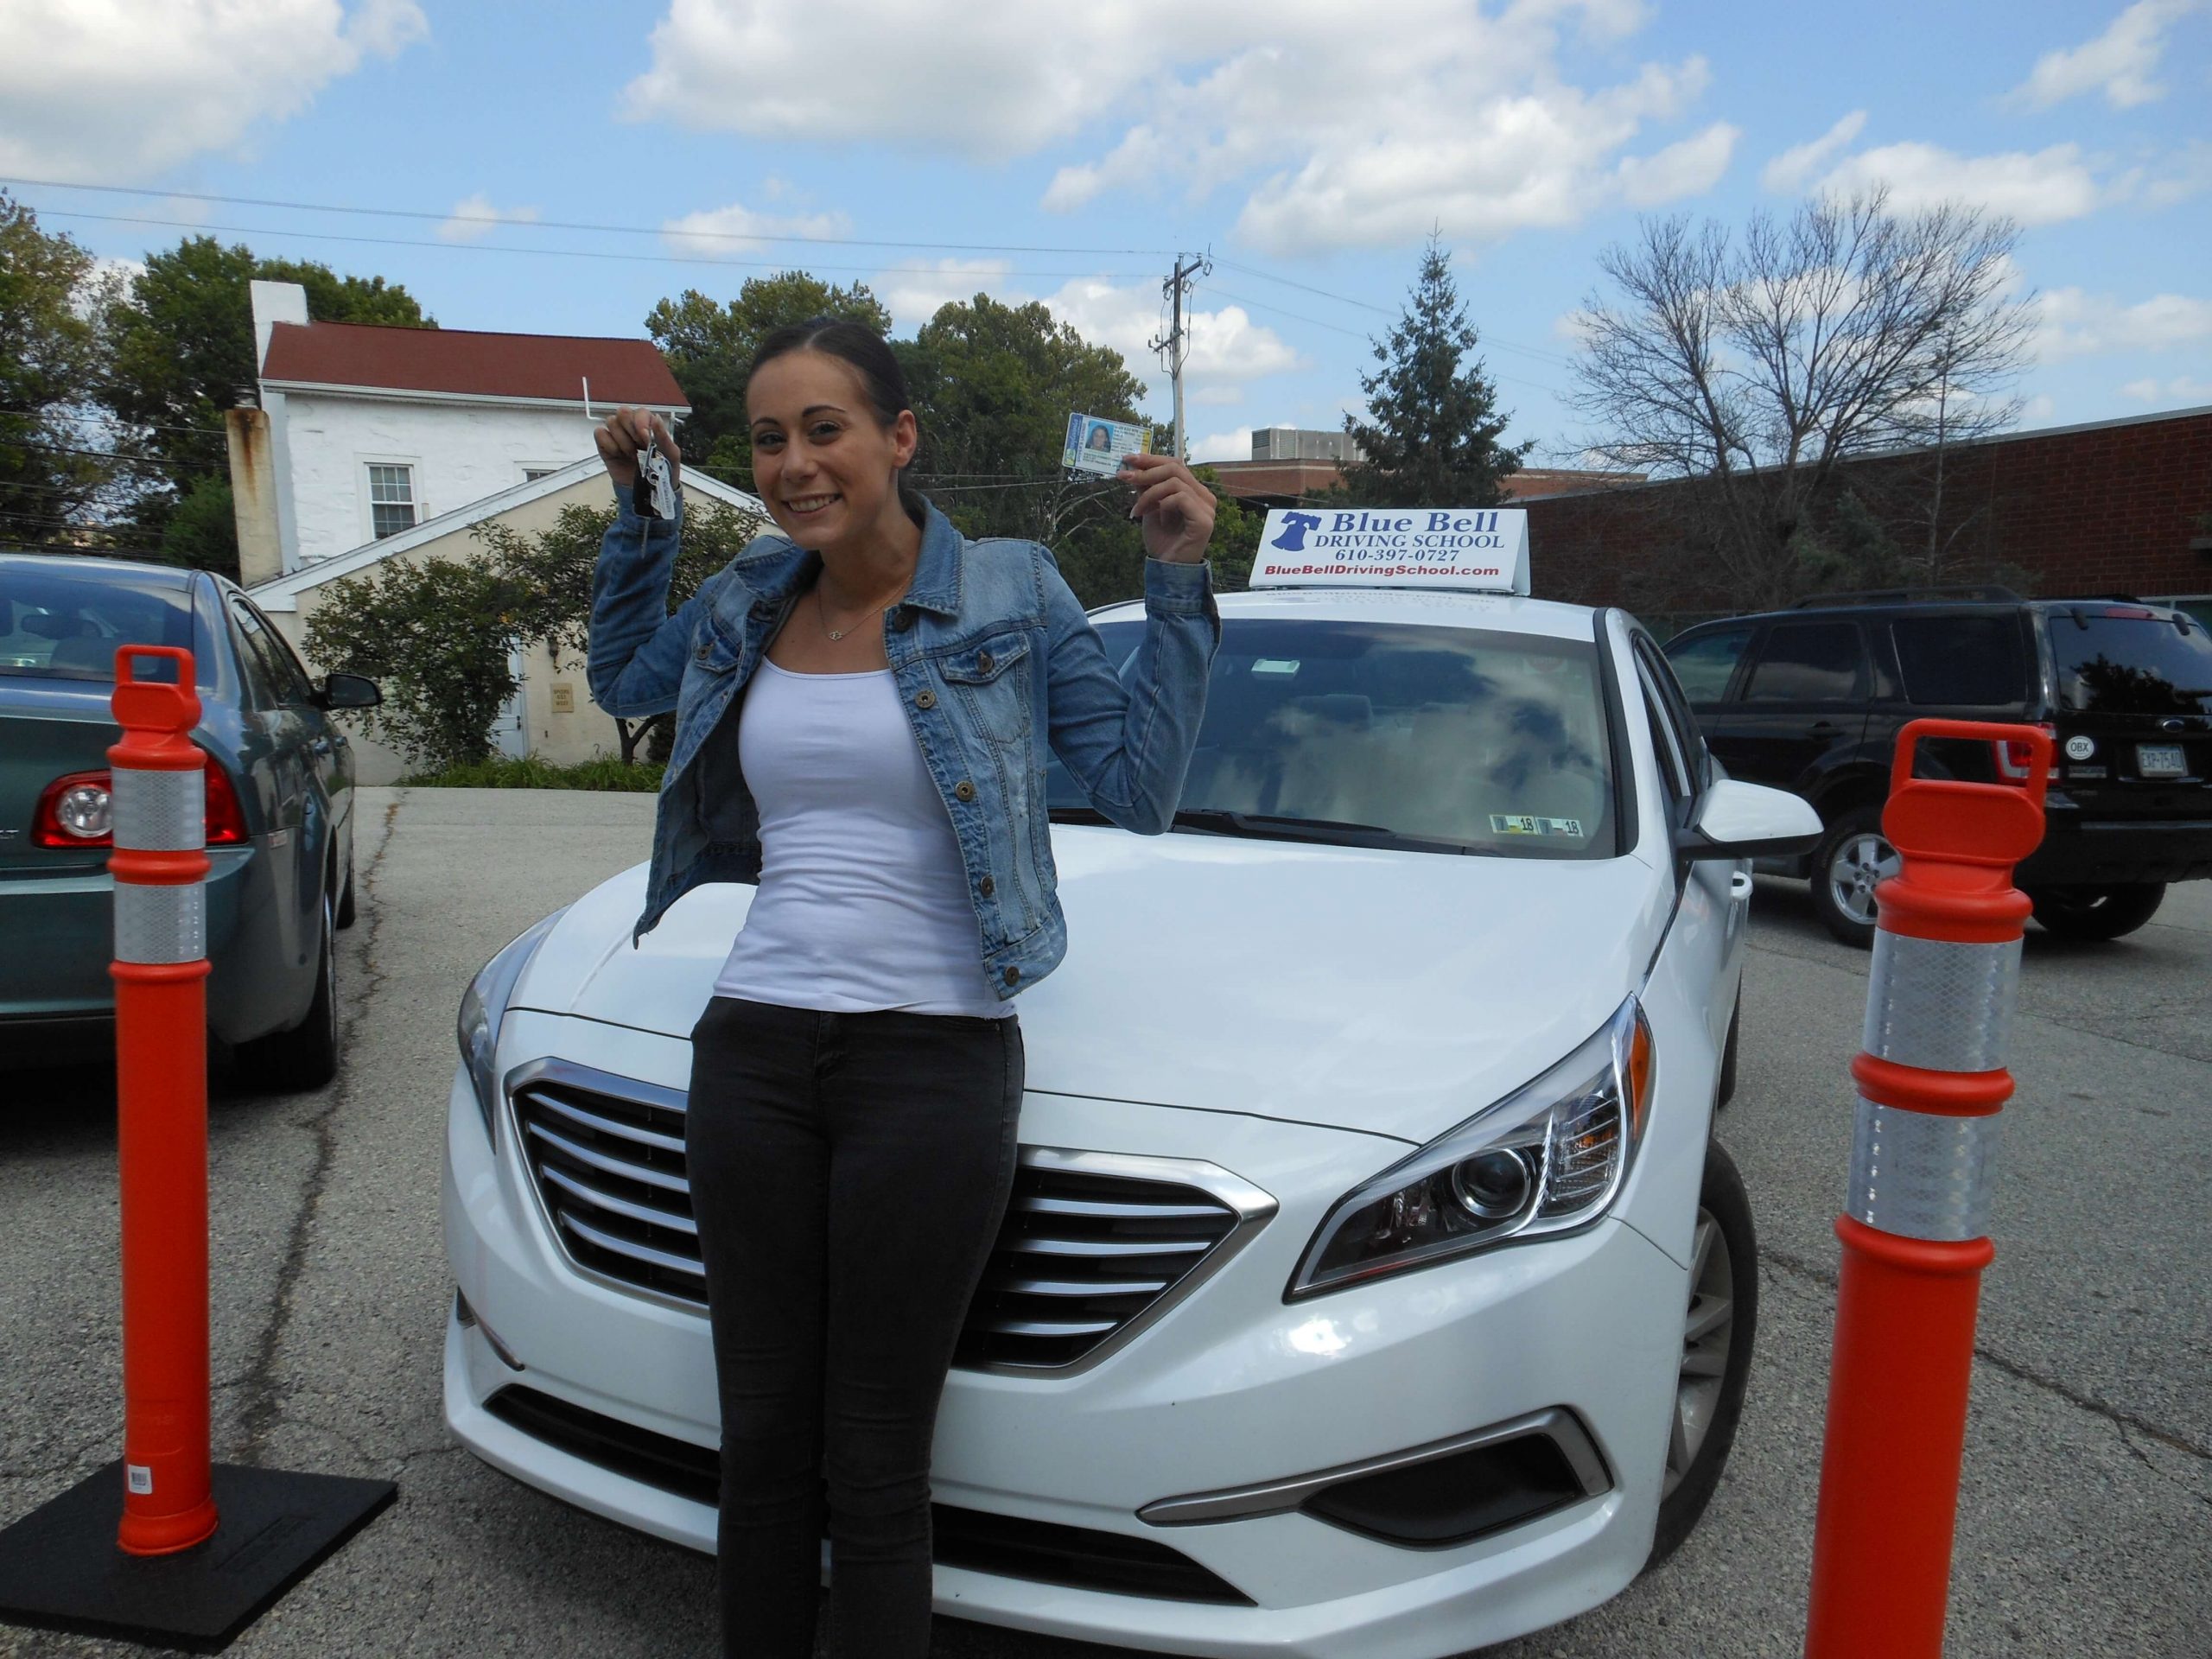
[[274, 303]]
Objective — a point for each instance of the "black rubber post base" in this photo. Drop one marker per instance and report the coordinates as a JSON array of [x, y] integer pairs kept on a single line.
[[59, 1568]]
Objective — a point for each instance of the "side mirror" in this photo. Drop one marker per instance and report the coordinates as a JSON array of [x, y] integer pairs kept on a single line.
[[1740, 820], [349, 691]]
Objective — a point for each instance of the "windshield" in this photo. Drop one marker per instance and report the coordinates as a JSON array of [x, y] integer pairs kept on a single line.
[[2111, 662], [1436, 738], [61, 626]]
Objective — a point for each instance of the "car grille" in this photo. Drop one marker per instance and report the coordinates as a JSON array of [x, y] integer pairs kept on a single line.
[[1092, 1246]]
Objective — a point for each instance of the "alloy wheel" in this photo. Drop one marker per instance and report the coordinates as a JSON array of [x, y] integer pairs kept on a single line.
[[1707, 1332], [1861, 863]]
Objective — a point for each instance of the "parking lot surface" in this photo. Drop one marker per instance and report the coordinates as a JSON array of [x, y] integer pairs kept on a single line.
[[2088, 1490]]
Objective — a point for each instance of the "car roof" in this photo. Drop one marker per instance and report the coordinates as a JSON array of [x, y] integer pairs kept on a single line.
[[170, 577], [1501, 613], [1948, 607]]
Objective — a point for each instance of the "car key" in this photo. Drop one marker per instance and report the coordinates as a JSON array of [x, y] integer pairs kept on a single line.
[[653, 494]]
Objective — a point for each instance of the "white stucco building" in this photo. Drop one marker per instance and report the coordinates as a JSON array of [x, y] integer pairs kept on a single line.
[[376, 443], [372, 430]]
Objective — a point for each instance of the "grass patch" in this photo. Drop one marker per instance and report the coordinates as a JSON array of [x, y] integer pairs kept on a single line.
[[604, 772]]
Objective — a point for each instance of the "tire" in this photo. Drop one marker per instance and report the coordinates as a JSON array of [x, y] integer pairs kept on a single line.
[[345, 918], [306, 1057], [1726, 1090], [1852, 856], [1720, 1328], [2098, 913]]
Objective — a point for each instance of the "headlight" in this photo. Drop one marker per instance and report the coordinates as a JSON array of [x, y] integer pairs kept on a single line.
[[1547, 1157], [485, 1002]]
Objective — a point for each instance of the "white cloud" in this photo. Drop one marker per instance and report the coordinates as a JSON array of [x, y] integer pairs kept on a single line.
[[1687, 168], [1789, 170], [2073, 322], [123, 89], [735, 232], [912, 297], [2039, 410], [1429, 113], [2179, 392], [2043, 188], [475, 216], [1225, 345], [1216, 396], [2118, 62]]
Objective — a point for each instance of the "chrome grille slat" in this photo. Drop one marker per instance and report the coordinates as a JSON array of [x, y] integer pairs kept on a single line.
[[1117, 1211], [1083, 1286], [644, 1172], [629, 1247], [1049, 1328], [1104, 1249], [591, 1195], [576, 1114], [1094, 1245]]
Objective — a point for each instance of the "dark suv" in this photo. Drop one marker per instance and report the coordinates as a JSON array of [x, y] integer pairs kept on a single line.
[[1812, 699]]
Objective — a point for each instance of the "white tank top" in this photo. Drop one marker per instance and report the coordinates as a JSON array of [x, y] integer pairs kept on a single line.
[[864, 903]]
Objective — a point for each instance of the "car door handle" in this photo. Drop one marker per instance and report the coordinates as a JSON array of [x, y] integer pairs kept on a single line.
[[1739, 885], [1824, 726]]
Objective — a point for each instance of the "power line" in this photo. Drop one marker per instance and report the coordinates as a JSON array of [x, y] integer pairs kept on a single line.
[[578, 224], [554, 253]]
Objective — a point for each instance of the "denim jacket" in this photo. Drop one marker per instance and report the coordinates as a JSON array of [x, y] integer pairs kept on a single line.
[[993, 658]]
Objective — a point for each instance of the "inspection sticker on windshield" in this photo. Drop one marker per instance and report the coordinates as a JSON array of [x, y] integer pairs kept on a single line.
[[1506, 823]]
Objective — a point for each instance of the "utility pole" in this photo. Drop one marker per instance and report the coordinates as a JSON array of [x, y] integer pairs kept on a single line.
[[1174, 346]]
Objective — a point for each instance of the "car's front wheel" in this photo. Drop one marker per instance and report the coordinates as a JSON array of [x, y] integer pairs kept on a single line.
[[2105, 913], [1853, 856], [1718, 1326], [305, 1056]]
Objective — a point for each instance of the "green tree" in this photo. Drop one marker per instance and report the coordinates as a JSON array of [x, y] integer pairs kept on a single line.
[[550, 575], [1434, 436], [993, 386], [182, 350], [438, 635], [709, 345], [52, 352]]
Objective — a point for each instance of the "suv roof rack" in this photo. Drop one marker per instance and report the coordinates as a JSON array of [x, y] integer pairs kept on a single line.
[[1986, 592], [2077, 599]]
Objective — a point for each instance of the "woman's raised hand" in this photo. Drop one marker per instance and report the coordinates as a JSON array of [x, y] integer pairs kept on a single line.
[[621, 439], [1177, 511]]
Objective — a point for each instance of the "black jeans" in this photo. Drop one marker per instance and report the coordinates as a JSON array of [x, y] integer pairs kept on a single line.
[[848, 1171]]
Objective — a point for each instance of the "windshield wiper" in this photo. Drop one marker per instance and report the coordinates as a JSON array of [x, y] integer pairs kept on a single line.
[[1272, 826]]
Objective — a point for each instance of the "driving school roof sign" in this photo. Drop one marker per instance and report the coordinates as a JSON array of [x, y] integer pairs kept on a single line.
[[1482, 549]]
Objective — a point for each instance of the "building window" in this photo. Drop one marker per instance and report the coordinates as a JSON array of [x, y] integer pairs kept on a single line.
[[391, 500], [531, 474]]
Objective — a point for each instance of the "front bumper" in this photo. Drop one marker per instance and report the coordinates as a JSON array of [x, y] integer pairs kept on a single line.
[[1231, 1389]]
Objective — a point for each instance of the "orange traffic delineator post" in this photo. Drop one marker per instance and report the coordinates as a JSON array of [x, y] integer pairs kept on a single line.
[[1931, 1080], [166, 1545]]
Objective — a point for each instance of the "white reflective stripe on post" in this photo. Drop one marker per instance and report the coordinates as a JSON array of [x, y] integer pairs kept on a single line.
[[163, 923], [160, 812], [1940, 1007], [1921, 1174]]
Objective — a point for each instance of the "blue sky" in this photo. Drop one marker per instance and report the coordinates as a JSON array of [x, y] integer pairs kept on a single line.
[[1305, 153]]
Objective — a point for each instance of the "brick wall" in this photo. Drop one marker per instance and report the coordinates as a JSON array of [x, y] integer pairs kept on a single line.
[[2110, 508]]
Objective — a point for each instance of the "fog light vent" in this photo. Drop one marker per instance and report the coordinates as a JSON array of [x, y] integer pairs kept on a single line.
[[1456, 1499]]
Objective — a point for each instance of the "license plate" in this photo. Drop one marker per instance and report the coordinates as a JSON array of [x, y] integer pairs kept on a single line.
[[2160, 760]]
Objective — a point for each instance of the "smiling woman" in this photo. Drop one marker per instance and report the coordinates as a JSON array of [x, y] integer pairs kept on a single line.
[[865, 701]]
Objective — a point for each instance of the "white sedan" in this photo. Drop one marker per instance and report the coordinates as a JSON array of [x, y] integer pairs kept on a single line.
[[1371, 1286]]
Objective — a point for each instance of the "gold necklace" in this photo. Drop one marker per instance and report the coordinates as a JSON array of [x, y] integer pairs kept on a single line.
[[821, 616]]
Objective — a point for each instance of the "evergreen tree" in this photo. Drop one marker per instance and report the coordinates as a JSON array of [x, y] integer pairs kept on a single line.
[[1434, 431]]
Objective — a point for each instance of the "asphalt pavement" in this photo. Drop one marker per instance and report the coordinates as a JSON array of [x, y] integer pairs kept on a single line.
[[2087, 1494]]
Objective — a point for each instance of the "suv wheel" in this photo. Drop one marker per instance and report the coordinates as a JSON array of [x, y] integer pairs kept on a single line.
[[2097, 912], [1851, 858], [1718, 1327]]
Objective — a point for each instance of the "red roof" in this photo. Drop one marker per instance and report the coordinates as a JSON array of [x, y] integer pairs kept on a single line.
[[457, 360]]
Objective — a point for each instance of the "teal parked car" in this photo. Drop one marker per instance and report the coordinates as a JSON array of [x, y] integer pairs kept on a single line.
[[280, 813]]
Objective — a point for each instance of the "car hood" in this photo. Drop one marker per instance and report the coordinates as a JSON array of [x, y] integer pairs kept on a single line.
[[1390, 992]]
